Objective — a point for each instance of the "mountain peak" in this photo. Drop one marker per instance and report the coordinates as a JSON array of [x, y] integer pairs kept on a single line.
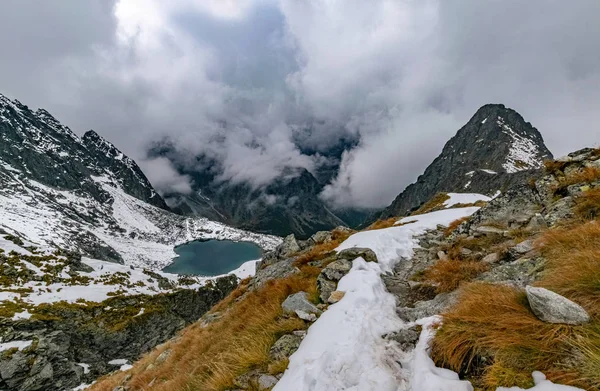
[[494, 148]]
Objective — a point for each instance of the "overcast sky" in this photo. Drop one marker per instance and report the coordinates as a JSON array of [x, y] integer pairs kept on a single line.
[[246, 82]]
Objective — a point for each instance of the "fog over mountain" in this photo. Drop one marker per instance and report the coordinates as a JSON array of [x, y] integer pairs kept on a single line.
[[265, 88]]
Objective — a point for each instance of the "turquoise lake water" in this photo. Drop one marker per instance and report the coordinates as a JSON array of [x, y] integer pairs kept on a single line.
[[212, 257]]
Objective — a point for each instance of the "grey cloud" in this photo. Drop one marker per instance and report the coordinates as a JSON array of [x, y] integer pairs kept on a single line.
[[264, 93]]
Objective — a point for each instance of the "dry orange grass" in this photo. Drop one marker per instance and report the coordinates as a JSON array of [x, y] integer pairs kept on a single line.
[[573, 263], [553, 166], [453, 225], [494, 322], [492, 336], [584, 175], [433, 204], [380, 224], [320, 251], [210, 358], [447, 275], [587, 205]]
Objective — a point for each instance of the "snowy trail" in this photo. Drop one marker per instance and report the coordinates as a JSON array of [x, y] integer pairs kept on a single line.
[[343, 349]]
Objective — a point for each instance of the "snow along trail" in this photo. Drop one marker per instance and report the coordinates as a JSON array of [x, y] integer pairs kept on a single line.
[[343, 349]]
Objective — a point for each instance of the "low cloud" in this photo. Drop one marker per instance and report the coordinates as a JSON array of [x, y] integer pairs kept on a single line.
[[263, 88]]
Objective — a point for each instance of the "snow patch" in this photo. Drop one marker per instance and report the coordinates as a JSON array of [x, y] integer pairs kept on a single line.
[[15, 344], [464, 198]]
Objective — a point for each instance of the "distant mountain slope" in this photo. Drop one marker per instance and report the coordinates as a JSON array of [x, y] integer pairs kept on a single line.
[[83, 194], [495, 149], [290, 204]]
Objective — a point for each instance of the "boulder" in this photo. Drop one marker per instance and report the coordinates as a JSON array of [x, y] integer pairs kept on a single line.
[[406, 338], [266, 382], [330, 275], [288, 247], [335, 297], [306, 316], [352, 253], [280, 269], [325, 287], [523, 247], [491, 258], [536, 224], [321, 237], [336, 270], [285, 347], [299, 302], [489, 230], [551, 307]]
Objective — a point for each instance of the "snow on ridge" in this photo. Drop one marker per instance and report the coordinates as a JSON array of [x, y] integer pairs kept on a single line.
[[20, 345], [523, 153], [464, 198]]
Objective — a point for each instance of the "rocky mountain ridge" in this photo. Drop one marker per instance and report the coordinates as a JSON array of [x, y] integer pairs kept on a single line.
[[494, 150], [83, 194]]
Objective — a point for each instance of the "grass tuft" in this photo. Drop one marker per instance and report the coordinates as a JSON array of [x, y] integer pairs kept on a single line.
[[436, 203], [447, 275], [453, 225], [380, 224]]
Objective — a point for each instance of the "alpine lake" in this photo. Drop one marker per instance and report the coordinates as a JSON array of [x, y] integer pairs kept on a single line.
[[212, 257]]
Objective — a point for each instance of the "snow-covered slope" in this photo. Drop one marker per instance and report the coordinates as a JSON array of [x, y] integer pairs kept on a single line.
[[82, 194]]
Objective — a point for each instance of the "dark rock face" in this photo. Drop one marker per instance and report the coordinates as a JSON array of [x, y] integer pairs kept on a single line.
[[42, 149], [289, 204], [495, 150], [66, 335]]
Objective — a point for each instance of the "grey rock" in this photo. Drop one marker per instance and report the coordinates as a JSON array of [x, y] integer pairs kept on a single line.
[[285, 347], [299, 333], [524, 247], [406, 338], [559, 210], [266, 382], [163, 356], [491, 258], [489, 230], [516, 273], [277, 270], [336, 270], [442, 255], [424, 309], [352, 253], [309, 317], [321, 237], [327, 279], [551, 307], [335, 297], [325, 287], [288, 247], [537, 223], [299, 302]]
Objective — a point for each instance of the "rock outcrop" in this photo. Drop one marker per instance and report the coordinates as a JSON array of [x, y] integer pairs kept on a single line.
[[73, 344], [554, 308]]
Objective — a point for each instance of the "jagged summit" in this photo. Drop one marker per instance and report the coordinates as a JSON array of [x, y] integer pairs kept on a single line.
[[495, 148], [42, 149]]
